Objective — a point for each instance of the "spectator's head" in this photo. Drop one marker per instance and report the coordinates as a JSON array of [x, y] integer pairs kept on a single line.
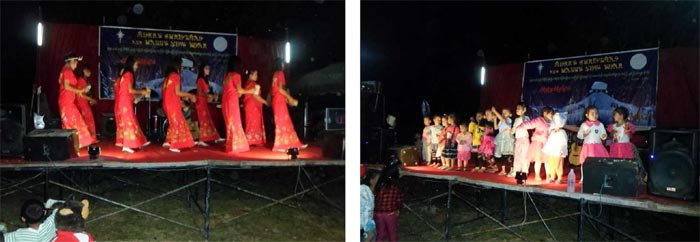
[[33, 212], [71, 216]]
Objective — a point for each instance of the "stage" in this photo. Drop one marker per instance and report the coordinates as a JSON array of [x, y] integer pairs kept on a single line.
[[155, 156], [644, 201]]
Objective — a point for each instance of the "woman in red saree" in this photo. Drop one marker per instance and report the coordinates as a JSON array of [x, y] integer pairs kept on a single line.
[[128, 125], [70, 116], [285, 135], [83, 101], [207, 130], [252, 106], [236, 140], [179, 135], [119, 138]]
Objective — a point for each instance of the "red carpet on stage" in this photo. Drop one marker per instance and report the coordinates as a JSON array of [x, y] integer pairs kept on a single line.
[[484, 176], [156, 153]]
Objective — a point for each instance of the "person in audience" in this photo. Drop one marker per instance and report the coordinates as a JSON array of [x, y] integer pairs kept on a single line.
[[39, 218], [388, 203], [70, 222], [368, 228]]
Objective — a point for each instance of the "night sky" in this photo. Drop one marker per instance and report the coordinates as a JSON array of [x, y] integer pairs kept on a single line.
[[421, 50], [315, 29]]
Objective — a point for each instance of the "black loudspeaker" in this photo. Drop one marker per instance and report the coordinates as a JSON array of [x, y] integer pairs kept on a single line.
[[609, 176], [13, 123], [673, 163], [108, 126], [408, 155], [51, 144]]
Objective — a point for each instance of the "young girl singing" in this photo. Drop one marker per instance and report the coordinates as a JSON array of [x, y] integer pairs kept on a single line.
[[435, 131], [555, 149], [539, 137], [621, 131], [522, 141], [464, 146], [450, 151], [487, 146], [592, 132], [505, 141], [425, 140], [442, 137]]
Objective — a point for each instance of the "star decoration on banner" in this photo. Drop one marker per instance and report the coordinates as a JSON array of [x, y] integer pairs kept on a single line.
[[120, 35]]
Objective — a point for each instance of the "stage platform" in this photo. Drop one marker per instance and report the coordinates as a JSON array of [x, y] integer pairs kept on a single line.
[[644, 201], [155, 156]]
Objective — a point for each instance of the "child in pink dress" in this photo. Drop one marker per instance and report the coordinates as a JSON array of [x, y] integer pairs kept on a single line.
[[539, 137], [592, 132], [487, 146], [621, 131], [522, 142], [464, 147]]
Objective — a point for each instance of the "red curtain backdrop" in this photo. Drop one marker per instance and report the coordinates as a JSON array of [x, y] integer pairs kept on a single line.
[[678, 93], [59, 39]]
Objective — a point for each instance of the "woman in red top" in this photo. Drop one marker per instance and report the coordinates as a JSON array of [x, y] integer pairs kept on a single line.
[[252, 105], [70, 116], [84, 101], [285, 135], [128, 126], [207, 130], [179, 135], [235, 137]]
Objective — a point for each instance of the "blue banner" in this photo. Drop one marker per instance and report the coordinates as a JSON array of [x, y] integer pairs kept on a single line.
[[154, 48], [607, 81]]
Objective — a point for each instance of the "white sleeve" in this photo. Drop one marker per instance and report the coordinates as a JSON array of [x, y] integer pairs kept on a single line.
[[580, 131]]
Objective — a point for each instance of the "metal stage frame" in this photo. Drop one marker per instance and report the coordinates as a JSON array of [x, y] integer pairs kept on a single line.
[[686, 209], [206, 167]]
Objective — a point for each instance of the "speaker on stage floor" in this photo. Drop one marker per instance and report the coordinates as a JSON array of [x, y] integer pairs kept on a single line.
[[408, 155], [673, 163], [51, 145], [610, 176], [13, 123], [108, 125]]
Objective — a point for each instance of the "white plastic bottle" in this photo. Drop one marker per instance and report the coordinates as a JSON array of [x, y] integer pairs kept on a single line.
[[570, 181]]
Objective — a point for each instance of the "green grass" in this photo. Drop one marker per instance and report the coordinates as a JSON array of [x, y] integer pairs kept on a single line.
[[313, 219]]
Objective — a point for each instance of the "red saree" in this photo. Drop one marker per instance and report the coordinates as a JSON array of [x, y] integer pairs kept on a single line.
[[207, 131], [179, 135], [84, 107], [285, 135], [254, 126], [128, 126], [70, 116], [235, 137]]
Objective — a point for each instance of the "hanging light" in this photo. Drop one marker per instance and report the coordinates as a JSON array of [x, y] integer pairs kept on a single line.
[[287, 52], [39, 34], [483, 75]]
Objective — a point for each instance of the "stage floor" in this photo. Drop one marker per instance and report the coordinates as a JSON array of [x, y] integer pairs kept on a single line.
[[155, 156], [644, 201]]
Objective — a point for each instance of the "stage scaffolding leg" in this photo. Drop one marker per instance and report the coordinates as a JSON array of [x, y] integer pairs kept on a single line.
[[447, 214], [580, 220], [491, 218], [207, 205], [46, 184], [504, 205]]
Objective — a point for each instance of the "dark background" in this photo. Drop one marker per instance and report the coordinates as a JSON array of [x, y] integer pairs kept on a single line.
[[428, 50], [314, 28]]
